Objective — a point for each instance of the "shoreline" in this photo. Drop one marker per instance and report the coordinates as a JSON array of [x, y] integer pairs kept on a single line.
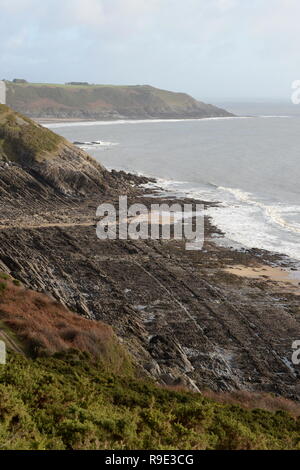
[[268, 219], [126, 119], [184, 319], [285, 279], [283, 261]]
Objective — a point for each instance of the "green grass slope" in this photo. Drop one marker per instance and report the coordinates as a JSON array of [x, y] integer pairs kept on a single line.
[[68, 402], [105, 102], [75, 387], [23, 139], [50, 158]]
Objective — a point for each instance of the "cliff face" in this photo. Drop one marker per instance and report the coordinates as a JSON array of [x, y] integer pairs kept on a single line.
[[36, 157], [105, 102]]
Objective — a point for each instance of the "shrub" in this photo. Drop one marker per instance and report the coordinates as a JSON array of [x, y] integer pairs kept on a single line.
[[47, 327], [2, 287], [63, 403]]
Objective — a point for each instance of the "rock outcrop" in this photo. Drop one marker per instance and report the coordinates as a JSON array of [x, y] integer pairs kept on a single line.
[[48, 158]]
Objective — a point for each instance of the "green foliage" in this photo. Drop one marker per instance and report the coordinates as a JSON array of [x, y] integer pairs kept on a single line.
[[65, 97], [68, 402], [23, 140], [7, 277], [17, 429], [3, 286]]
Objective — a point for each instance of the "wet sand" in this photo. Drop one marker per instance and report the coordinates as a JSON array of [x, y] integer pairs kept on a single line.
[[285, 279]]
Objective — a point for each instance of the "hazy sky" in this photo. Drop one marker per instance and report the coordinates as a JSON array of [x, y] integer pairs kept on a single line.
[[217, 50]]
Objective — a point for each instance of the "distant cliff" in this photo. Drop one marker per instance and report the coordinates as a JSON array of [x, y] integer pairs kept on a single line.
[[105, 102]]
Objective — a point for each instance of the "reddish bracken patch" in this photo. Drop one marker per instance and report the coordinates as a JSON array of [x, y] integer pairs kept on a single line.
[[46, 326], [246, 399], [251, 400]]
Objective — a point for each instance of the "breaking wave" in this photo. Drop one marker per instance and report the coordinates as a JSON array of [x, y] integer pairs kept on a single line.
[[275, 213], [94, 144], [246, 221], [56, 125]]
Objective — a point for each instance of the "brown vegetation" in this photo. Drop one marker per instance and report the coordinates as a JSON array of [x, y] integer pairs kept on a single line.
[[246, 399], [67, 401], [252, 400], [47, 327]]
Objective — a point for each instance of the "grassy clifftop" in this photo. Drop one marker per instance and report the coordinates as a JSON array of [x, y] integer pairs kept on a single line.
[[23, 139], [73, 386], [105, 102], [47, 156]]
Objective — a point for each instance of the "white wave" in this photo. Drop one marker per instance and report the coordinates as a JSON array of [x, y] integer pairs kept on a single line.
[[211, 190], [94, 144], [238, 193], [245, 221], [245, 226], [267, 116], [273, 212], [56, 125]]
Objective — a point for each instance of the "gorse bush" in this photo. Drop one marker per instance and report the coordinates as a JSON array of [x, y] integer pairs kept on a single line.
[[70, 384], [68, 402]]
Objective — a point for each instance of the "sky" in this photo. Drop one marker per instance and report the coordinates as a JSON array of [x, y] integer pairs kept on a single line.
[[215, 50]]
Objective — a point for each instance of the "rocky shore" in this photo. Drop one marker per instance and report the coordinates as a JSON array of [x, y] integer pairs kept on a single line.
[[185, 319], [183, 316]]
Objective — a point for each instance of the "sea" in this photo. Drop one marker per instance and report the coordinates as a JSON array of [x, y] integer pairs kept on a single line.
[[250, 164]]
